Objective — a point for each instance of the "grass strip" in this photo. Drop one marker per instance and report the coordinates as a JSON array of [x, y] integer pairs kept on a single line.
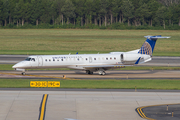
[[99, 84], [84, 41]]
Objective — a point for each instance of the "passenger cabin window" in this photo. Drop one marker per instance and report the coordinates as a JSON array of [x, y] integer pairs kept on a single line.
[[106, 58], [94, 58], [114, 58], [86, 59], [53, 59], [49, 59], [110, 58], [61, 59], [46, 60]]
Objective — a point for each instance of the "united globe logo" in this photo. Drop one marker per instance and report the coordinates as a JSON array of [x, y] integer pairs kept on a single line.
[[146, 49]]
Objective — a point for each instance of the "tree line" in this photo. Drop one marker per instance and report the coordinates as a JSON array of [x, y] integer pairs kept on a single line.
[[85, 13]]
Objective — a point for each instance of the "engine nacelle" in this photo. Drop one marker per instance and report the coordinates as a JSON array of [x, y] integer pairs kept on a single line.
[[130, 58]]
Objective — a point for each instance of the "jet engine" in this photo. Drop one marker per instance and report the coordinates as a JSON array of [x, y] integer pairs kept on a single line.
[[128, 58]]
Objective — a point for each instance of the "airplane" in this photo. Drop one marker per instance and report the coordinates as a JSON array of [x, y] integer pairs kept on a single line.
[[92, 62]]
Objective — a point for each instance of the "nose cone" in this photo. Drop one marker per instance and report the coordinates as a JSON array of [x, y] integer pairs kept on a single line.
[[18, 65], [14, 66]]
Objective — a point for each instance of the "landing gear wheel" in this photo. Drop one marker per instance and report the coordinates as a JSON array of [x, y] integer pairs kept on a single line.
[[102, 73], [89, 72], [23, 73]]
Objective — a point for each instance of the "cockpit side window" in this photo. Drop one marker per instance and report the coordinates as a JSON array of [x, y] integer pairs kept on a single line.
[[28, 59], [33, 59]]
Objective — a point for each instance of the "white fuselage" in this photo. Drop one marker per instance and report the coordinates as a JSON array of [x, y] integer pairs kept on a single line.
[[80, 61], [70, 61]]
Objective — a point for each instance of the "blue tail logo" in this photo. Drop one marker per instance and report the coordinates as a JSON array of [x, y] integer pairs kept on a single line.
[[148, 46]]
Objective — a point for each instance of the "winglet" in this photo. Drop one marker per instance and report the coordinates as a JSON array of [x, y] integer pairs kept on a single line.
[[137, 61]]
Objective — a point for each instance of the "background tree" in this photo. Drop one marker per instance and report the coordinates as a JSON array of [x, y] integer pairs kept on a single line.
[[68, 10], [128, 9], [22, 11], [36, 11], [96, 6], [1, 11], [116, 9], [12, 5], [153, 6], [5, 11], [89, 11], [161, 15], [103, 12], [17, 14], [177, 14], [58, 5]]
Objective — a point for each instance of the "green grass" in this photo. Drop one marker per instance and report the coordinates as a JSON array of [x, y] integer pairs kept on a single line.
[[98, 84], [65, 41]]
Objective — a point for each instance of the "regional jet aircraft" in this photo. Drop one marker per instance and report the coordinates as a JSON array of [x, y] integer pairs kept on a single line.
[[92, 62]]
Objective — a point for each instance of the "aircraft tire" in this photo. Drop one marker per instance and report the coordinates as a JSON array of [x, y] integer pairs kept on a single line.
[[23, 73]]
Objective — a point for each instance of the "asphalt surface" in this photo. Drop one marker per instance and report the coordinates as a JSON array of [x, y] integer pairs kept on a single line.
[[163, 112], [156, 61], [88, 90], [111, 74]]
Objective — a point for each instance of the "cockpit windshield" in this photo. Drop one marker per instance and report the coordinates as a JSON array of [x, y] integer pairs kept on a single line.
[[28, 59]]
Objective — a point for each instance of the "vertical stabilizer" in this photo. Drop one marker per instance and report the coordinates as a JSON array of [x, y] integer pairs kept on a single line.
[[148, 46]]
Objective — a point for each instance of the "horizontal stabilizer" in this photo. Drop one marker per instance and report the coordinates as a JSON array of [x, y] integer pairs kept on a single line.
[[156, 37]]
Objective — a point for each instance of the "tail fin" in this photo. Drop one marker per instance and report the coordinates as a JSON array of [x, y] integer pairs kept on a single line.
[[148, 46]]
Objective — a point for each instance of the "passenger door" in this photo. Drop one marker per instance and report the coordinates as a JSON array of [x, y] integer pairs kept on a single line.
[[40, 61], [90, 59]]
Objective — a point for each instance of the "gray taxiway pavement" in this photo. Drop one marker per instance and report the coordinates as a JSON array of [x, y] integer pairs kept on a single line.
[[156, 61], [81, 105]]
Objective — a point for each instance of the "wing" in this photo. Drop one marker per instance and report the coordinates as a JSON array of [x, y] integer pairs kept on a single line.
[[106, 67]]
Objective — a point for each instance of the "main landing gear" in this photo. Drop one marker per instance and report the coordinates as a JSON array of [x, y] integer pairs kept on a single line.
[[89, 72], [100, 72]]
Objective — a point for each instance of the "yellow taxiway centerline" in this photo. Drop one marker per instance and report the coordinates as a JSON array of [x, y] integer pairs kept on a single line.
[[42, 107]]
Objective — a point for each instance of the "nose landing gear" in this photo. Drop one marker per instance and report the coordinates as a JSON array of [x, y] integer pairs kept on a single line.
[[23, 73], [102, 73]]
